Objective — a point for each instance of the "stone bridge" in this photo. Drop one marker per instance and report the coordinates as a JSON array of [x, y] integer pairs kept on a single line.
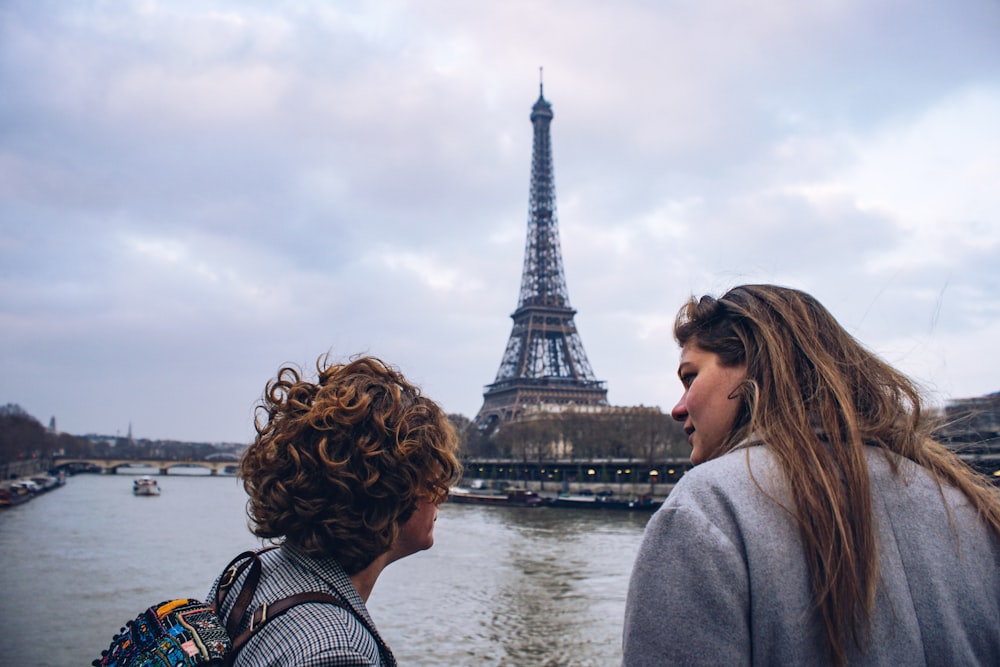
[[111, 466]]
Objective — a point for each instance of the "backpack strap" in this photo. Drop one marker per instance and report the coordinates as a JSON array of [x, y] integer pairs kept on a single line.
[[268, 611], [232, 572], [230, 575]]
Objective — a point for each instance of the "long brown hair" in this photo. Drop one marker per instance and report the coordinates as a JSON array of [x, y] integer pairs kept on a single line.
[[816, 397]]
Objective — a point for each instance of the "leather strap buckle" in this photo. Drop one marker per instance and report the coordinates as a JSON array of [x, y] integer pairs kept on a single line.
[[257, 622]]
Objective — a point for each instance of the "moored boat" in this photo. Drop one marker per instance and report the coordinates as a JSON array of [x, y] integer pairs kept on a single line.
[[588, 501], [515, 497], [49, 482], [145, 486], [15, 493]]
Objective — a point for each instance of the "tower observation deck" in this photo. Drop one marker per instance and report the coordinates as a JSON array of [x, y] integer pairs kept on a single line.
[[544, 364]]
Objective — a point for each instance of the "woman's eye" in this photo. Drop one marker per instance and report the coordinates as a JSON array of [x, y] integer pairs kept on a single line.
[[687, 379]]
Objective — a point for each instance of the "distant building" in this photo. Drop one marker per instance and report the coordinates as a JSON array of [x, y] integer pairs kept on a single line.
[[972, 425]]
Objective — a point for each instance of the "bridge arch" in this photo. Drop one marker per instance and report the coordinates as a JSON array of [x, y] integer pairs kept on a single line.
[[111, 466]]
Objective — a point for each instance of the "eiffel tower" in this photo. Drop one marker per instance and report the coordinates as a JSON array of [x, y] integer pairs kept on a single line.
[[544, 364]]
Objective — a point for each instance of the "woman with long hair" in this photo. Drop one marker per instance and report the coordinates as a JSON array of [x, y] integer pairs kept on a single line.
[[822, 523]]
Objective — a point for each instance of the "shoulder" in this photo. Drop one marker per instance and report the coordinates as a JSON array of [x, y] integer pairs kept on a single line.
[[913, 499], [288, 570], [747, 471], [314, 634], [726, 496]]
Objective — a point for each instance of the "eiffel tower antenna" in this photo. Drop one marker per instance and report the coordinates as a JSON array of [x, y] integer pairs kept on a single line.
[[544, 364]]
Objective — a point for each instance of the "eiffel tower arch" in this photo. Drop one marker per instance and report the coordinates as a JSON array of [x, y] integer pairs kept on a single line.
[[544, 366]]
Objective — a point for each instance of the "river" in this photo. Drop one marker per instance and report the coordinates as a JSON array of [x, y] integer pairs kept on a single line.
[[503, 587]]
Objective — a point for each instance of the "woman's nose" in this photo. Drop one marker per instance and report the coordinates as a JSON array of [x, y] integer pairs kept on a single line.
[[679, 412]]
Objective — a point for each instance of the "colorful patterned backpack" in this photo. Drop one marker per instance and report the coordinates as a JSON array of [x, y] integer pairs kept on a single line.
[[186, 631]]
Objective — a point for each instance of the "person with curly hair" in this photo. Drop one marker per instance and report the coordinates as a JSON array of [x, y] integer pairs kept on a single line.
[[346, 474], [822, 523]]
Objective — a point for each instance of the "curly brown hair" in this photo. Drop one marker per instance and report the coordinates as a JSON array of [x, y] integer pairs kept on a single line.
[[339, 465]]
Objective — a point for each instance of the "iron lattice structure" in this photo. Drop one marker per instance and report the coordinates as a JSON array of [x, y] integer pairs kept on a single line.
[[544, 364]]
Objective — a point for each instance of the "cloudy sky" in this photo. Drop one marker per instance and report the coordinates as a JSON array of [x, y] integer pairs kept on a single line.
[[195, 193]]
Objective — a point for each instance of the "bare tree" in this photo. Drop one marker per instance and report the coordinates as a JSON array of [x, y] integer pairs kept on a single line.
[[463, 428]]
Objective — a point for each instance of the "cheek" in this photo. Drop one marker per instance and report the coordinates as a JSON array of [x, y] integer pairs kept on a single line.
[[424, 518], [699, 403], [732, 409], [729, 408]]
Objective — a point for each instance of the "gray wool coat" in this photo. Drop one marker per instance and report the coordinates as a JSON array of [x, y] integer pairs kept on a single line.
[[720, 578]]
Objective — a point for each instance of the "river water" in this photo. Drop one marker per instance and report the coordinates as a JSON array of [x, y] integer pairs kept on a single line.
[[511, 587]]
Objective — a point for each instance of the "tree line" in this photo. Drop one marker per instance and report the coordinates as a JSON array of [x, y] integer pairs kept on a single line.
[[23, 437], [639, 433]]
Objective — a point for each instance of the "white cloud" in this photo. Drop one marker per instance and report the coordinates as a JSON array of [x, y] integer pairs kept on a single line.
[[191, 196], [428, 270]]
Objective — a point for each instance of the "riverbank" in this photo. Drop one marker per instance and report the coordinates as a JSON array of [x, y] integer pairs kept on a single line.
[[550, 490], [24, 468]]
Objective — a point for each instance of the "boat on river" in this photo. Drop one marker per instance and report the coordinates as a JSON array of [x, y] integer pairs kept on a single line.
[[145, 486], [511, 497], [644, 503], [49, 482], [16, 492]]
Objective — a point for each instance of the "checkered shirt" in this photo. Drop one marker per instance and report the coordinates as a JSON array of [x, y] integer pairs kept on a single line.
[[311, 634]]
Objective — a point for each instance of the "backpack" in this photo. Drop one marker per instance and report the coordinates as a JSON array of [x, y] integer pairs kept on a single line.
[[186, 631]]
